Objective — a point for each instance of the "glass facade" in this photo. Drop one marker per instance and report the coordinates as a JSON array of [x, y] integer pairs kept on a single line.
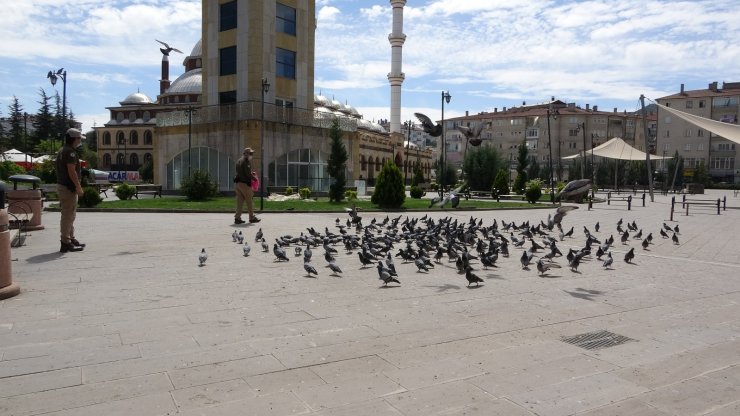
[[217, 164], [227, 15], [285, 63], [285, 19], [301, 168]]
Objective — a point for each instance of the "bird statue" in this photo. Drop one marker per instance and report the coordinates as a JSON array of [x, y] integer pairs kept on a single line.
[[472, 135], [434, 130], [202, 257], [167, 48]]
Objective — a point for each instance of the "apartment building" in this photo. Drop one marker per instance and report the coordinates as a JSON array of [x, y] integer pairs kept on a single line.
[[696, 145], [570, 130]]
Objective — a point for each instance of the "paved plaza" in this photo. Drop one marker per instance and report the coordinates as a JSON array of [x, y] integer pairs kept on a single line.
[[133, 326]]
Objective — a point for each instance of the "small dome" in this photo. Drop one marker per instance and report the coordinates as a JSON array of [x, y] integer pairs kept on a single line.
[[353, 111], [136, 99], [187, 83], [197, 49], [334, 105], [321, 101]]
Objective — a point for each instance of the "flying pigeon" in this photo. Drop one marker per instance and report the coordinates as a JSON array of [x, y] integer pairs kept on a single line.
[[472, 135], [167, 48], [429, 127]]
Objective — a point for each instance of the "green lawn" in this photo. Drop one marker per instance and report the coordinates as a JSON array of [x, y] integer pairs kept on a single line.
[[227, 204]]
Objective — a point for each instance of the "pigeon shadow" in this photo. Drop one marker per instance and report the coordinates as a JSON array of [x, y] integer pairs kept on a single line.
[[493, 276], [128, 253], [580, 295], [550, 276], [388, 287], [474, 287], [445, 287], [575, 271], [43, 258], [591, 292]]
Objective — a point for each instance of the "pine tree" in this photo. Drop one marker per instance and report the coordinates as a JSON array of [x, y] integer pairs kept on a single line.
[[43, 122], [16, 124], [389, 190], [337, 163], [522, 161]]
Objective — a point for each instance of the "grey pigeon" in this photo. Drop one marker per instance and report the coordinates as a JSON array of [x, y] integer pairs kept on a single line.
[[543, 267], [279, 253], [258, 236], [608, 261], [629, 256], [308, 267], [246, 249], [234, 236], [385, 276], [202, 257], [675, 238], [265, 246], [472, 277], [334, 268]]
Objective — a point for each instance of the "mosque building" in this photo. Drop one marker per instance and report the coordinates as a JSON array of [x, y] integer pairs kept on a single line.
[[249, 81]]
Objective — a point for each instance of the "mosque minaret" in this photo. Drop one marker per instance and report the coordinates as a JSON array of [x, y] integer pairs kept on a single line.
[[396, 77]]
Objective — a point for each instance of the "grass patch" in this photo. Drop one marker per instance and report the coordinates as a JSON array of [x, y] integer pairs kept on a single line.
[[228, 204]]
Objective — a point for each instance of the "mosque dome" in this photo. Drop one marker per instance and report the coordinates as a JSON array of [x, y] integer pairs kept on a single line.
[[321, 101], [136, 98], [197, 49], [188, 83]]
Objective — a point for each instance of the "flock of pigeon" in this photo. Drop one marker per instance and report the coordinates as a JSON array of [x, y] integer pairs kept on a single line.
[[426, 242]]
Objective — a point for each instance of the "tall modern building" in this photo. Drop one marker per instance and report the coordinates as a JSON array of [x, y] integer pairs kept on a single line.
[[693, 144]]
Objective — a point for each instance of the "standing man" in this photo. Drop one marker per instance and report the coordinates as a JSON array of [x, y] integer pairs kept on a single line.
[[69, 188], [243, 187]]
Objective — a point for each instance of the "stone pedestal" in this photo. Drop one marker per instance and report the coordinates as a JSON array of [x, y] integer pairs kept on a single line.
[[29, 202], [7, 288]]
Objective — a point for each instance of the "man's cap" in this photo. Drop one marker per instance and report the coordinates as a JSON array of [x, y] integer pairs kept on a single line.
[[248, 151], [74, 133]]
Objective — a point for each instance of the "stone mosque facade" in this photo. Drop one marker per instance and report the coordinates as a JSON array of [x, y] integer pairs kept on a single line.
[[248, 81]]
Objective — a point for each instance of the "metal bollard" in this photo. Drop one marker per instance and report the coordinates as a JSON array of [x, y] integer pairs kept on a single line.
[[683, 200], [724, 203], [608, 198], [717, 206], [629, 202], [7, 288], [673, 206], [643, 199], [590, 202]]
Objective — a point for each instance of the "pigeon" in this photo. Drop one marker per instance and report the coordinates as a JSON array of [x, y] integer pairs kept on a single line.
[[258, 236], [562, 212], [645, 244], [234, 235], [167, 49], [667, 227], [629, 256], [334, 268], [279, 253], [307, 253], [663, 233], [328, 257], [385, 276], [526, 259], [596, 227], [308, 267], [246, 249], [429, 127], [420, 265], [298, 251], [675, 229], [265, 246], [543, 267], [472, 277], [638, 235], [625, 237], [675, 238], [202, 257], [608, 261], [363, 259]]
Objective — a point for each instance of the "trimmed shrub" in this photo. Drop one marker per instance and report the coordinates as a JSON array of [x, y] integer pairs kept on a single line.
[[8, 169], [289, 191], [416, 192], [534, 191], [389, 189], [305, 193], [520, 183], [434, 186], [501, 183], [90, 198], [199, 186], [350, 195], [124, 191]]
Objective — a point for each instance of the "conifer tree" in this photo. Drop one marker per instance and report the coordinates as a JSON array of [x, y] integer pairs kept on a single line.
[[337, 163]]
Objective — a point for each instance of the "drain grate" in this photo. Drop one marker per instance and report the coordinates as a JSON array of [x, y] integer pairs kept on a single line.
[[597, 340]]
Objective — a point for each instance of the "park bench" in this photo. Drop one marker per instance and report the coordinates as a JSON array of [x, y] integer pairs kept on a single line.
[[703, 203], [149, 189], [102, 187]]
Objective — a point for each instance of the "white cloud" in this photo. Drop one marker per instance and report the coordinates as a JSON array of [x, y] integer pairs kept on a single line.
[[327, 14]]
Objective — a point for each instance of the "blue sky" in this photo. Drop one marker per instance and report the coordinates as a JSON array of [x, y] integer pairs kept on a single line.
[[487, 53]]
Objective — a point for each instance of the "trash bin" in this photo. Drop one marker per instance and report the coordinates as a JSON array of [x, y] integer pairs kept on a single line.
[[27, 204], [7, 288], [2, 195]]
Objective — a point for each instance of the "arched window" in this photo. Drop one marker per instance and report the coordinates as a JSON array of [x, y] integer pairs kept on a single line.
[[363, 163], [133, 138], [148, 138], [147, 156], [146, 116], [119, 117], [134, 161], [120, 138], [119, 161], [377, 164], [107, 158], [106, 138], [132, 116]]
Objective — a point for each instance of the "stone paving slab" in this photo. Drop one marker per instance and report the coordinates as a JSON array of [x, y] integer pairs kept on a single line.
[[133, 326]]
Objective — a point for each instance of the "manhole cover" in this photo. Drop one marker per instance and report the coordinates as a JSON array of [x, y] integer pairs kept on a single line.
[[597, 340]]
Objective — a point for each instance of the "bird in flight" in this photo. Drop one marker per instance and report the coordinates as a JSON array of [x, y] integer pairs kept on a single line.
[[167, 48]]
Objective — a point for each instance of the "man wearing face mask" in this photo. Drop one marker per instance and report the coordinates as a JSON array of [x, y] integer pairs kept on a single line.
[[243, 187], [69, 189]]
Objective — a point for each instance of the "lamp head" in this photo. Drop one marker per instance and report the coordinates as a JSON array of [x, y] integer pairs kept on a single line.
[[265, 85], [52, 77], [446, 95]]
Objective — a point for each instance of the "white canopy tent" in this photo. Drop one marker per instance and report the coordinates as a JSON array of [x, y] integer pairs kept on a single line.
[[616, 148], [727, 130]]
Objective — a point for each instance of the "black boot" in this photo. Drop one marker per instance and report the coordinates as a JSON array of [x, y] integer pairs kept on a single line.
[[77, 243], [69, 247]]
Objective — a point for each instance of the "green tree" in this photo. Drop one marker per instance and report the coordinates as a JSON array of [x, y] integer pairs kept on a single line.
[[522, 160], [533, 171], [446, 174], [480, 167], [389, 190], [15, 134], [337, 163], [701, 175], [44, 122], [147, 171], [3, 138], [501, 183], [418, 176]]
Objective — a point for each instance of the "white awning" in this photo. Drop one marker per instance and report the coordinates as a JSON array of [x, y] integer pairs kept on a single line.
[[720, 128], [617, 148]]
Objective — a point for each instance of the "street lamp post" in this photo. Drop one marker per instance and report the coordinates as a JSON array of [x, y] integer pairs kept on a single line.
[[593, 167], [53, 76], [25, 138], [406, 161], [190, 110], [549, 144], [445, 97], [265, 89], [582, 127]]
